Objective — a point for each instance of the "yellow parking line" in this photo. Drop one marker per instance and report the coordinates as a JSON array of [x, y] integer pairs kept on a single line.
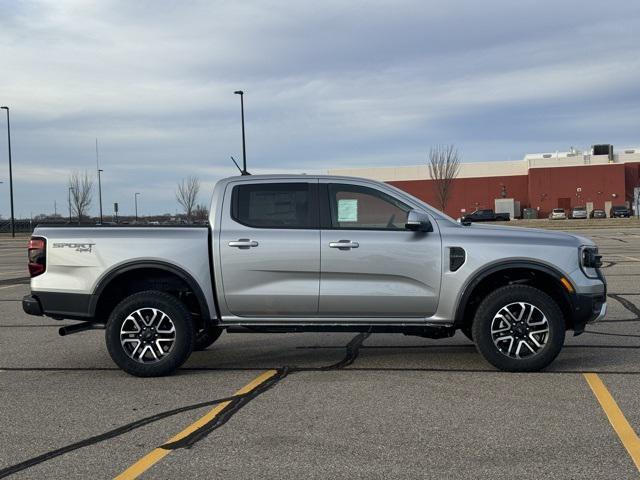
[[158, 454], [619, 423]]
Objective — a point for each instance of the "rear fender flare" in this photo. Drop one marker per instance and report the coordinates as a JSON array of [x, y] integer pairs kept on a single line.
[[114, 273]]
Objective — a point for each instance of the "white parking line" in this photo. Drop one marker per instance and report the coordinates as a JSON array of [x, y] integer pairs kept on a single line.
[[14, 285]]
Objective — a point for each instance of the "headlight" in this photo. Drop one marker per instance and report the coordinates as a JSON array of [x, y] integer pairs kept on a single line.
[[590, 261]]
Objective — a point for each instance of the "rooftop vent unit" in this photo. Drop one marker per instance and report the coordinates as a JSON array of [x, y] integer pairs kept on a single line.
[[605, 149]]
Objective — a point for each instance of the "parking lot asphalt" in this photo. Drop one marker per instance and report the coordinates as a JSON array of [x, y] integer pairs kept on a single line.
[[392, 406]]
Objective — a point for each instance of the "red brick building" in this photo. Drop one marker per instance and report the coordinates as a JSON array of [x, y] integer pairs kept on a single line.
[[540, 181]]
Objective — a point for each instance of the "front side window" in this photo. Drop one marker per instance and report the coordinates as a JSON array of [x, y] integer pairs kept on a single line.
[[272, 205], [357, 207]]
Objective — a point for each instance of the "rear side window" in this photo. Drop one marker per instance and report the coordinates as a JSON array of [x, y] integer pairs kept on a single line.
[[274, 205]]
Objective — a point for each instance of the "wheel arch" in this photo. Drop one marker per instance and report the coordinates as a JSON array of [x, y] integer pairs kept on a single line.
[[509, 272], [128, 270]]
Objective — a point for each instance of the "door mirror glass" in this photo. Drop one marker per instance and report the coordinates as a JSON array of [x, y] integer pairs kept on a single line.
[[418, 222]]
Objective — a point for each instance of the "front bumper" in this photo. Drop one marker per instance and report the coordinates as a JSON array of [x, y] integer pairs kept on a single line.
[[602, 314], [588, 309]]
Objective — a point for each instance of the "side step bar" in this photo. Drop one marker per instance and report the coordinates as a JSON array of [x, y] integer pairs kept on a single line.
[[80, 327], [421, 331]]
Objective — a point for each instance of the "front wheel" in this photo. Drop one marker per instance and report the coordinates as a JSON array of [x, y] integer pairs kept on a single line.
[[150, 334], [519, 328]]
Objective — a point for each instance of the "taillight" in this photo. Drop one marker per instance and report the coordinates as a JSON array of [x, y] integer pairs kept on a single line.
[[37, 252]]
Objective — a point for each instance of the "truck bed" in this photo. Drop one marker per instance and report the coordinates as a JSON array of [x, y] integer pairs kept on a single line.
[[79, 258]]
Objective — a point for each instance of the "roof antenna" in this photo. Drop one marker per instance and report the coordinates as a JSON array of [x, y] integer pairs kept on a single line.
[[244, 148], [238, 166]]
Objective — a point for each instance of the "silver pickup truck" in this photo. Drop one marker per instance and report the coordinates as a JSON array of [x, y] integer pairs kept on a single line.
[[305, 253]]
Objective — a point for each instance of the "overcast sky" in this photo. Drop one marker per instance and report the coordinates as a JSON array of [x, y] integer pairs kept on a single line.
[[344, 83]]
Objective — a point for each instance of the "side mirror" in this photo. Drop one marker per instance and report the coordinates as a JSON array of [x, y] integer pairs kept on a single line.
[[418, 222]]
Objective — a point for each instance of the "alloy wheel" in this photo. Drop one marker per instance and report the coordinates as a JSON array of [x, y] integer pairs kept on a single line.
[[519, 330], [147, 335]]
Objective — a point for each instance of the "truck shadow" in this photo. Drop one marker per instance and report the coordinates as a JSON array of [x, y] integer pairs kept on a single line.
[[386, 352]]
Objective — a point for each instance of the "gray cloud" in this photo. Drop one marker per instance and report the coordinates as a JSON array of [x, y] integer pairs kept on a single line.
[[328, 83]]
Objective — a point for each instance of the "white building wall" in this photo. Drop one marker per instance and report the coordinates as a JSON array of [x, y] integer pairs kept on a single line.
[[491, 169]]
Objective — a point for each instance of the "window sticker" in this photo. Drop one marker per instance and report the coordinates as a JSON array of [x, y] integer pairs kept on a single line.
[[347, 210]]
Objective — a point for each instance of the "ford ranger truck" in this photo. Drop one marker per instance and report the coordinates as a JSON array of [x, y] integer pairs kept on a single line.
[[301, 253]]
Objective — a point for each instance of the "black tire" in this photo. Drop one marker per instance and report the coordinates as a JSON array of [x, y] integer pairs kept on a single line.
[[206, 336], [512, 295], [183, 334]]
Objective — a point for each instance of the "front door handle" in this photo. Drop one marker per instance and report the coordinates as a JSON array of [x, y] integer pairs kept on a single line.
[[344, 244], [243, 243]]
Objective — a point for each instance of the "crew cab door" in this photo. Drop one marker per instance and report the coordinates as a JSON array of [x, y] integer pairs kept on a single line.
[[371, 265], [270, 248]]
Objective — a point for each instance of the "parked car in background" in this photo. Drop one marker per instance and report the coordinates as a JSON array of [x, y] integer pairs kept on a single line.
[[558, 214], [578, 212], [485, 215], [598, 213], [620, 211]]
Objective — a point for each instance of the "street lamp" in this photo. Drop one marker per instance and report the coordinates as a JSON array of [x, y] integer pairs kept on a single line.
[[99, 181], [136, 201], [13, 221], [244, 147], [100, 193]]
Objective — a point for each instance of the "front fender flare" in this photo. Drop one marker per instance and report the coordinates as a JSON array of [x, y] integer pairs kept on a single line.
[[479, 276]]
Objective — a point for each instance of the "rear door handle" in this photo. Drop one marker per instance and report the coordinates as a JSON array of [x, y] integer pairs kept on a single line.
[[243, 243], [344, 244]]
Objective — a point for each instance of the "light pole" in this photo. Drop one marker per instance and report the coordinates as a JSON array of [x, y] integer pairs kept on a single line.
[[70, 204], [136, 201], [13, 221], [244, 147], [99, 181]]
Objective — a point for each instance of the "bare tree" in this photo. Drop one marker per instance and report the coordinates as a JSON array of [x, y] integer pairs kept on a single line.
[[200, 212], [444, 164], [81, 189], [187, 194]]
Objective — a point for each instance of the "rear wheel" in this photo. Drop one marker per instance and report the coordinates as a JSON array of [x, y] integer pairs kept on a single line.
[[519, 328], [150, 334]]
